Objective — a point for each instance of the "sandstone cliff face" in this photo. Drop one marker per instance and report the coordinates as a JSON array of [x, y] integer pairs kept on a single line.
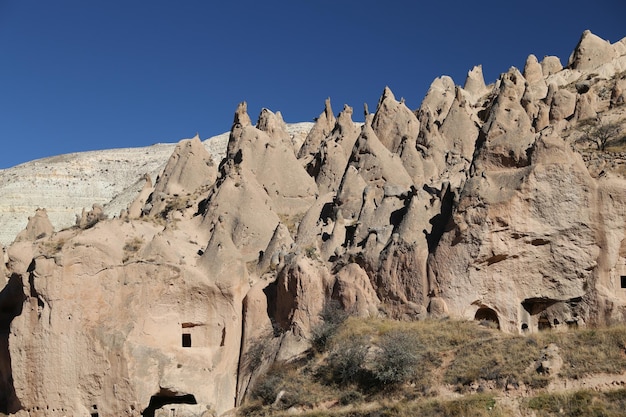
[[482, 204]]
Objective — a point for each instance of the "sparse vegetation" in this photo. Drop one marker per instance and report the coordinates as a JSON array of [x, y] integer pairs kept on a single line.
[[589, 351], [255, 354], [390, 368], [131, 246], [90, 218], [53, 246], [502, 359], [396, 358], [579, 403], [332, 317], [346, 364], [174, 203], [598, 132], [311, 252], [286, 386], [291, 222]]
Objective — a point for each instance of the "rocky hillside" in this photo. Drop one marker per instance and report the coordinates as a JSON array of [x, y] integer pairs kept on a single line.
[[502, 203], [65, 185]]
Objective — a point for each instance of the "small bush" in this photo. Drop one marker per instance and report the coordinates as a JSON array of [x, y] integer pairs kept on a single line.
[[255, 354], [346, 363], [351, 397], [89, 219], [174, 204], [504, 359], [298, 389], [52, 246], [332, 316], [292, 222], [396, 358], [130, 247], [133, 245], [268, 387], [311, 253]]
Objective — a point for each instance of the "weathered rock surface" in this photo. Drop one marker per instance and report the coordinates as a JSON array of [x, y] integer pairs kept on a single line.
[[66, 184], [482, 204]]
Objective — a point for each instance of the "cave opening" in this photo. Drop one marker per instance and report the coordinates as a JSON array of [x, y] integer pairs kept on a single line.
[[487, 314], [543, 323], [165, 397]]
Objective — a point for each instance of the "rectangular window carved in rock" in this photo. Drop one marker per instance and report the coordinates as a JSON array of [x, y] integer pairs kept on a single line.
[[186, 339], [623, 281]]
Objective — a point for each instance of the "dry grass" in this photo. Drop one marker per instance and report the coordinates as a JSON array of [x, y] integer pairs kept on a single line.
[[579, 403], [504, 359], [589, 351], [292, 222], [53, 246], [286, 386], [478, 405], [459, 354]]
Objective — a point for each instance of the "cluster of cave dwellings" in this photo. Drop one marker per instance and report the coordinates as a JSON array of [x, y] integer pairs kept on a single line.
[[539, 313]]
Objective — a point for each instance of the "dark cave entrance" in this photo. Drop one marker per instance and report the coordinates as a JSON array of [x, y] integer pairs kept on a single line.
[[165, 397], [487, 314], [537, 308], [543, 323]]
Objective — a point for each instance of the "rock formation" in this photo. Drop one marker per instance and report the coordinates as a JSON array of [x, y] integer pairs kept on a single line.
[[67, 184], [485, 203]]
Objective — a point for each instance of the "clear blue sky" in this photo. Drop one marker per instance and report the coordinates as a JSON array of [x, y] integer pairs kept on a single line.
[[81, 75]]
